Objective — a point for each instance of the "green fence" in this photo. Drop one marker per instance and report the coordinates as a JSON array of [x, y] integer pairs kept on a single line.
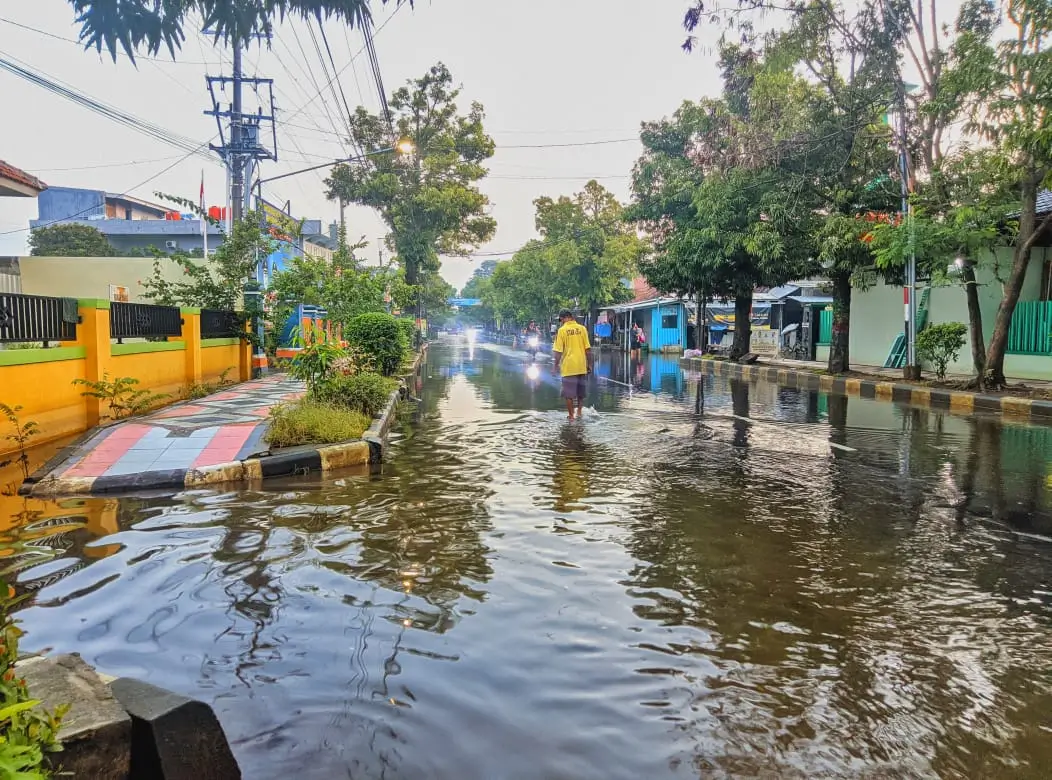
[[1031, 331], [825, 326]]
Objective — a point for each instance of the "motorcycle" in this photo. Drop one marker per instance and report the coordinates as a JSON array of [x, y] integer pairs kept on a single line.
[[533, 346]]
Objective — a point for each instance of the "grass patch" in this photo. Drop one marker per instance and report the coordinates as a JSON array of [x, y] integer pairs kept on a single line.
[[313, 422]]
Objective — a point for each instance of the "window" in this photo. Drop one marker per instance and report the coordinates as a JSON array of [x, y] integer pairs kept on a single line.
[[127, 213], [670, 322]]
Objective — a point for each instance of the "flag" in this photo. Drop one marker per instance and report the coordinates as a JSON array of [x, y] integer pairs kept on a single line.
[[202, 193]]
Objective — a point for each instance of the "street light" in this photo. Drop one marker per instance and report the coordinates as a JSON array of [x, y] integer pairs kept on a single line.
[[405, 146]]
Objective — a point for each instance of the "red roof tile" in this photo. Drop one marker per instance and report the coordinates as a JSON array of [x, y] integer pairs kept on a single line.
[[8, 171]]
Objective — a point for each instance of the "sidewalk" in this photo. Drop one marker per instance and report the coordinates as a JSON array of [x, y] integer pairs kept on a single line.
[[158, 450]]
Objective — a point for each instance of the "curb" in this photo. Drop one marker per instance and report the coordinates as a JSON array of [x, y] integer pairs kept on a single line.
[[956, 401], [289, 462]]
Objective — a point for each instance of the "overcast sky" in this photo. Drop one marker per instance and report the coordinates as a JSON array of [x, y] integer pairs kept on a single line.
[[547, 72]]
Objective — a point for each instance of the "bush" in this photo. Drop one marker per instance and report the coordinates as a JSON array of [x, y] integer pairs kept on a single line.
[[381, 338], [364, 393], [310, 422], [28, 733], [408, 330], [316, 362], [940, 344]]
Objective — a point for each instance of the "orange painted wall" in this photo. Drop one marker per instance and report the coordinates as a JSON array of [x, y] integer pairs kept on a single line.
[[161, 372]]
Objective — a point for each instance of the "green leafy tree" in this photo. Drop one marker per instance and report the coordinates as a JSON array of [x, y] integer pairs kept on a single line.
[[1011, 108], [69, 240], [338, 285], [590, 243], [429, 200], [150, 25], [940, 344]]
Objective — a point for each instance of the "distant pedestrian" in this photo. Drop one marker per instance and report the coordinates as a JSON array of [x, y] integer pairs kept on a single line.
[[572, 353], [639, 340]]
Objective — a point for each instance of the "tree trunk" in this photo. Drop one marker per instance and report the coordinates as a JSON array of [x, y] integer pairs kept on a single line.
[[699, 328], [839, 347], [975, 321], [742, 324], [995, 355]]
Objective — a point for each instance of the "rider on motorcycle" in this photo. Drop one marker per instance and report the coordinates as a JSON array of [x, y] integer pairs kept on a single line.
[[533, 338]]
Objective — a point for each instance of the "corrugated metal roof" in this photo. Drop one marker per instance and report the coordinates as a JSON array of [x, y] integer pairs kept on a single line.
[[811, 299], [1044, 202], [783, 292]]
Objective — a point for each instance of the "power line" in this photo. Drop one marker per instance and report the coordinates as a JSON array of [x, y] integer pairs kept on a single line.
[[101, 165], [119, 116], [129, 191], [379, 29], [78, 43]]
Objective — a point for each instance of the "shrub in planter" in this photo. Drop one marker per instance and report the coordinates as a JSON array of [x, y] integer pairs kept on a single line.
[[310, 422], [941, 344], [364, 393], [381, 338]]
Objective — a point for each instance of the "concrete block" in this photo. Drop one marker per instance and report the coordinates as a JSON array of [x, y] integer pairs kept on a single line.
[[96, 732], [173, 737]]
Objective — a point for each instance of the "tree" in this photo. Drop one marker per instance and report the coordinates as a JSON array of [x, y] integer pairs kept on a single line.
[[150, 25], [431, 203], [530, 286], [1011, 107], [337, 285], [709, 192], [69, 240], [592, 245]]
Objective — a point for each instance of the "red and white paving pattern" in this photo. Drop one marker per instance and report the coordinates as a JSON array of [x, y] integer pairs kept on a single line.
[[221, 428]]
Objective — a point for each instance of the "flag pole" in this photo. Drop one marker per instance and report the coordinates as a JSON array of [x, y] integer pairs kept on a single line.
[[204, 216]]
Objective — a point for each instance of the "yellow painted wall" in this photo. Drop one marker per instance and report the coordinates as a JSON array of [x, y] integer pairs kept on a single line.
[[91, 277], [214, 360], [41, 380], [161, 372], [46, 393]]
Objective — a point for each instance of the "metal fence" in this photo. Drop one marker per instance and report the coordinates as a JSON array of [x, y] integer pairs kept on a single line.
[[143, 320], [221, 324], [825, 327], [1031, 329], [30, 318]]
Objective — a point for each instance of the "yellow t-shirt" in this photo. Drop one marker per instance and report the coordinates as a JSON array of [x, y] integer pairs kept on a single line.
[[572, 341]]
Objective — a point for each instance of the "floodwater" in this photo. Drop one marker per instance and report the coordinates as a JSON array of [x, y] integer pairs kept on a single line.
[[749, 581]]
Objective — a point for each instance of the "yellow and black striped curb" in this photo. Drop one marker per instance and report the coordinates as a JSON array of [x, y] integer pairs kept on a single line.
[[957, 401]]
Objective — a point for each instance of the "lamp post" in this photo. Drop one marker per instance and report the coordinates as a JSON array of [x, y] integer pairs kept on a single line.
[[403, 146], [911, 369]]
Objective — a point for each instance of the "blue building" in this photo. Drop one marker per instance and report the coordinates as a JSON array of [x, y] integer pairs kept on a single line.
[[129, 224], [663, 320]]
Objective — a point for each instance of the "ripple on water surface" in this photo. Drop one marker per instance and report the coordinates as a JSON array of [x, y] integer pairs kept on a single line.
[[784, 585]]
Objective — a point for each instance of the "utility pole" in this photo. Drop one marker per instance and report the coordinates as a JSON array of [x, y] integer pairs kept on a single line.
[[911, 369], [241, 149], [237, 161]]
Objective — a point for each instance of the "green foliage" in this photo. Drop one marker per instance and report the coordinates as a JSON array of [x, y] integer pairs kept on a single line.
[[28, 733], [585, 252], [941, 344], [366, 393], [196, 390], [381, 338], [20, 436], [217, 282], [318, 360], [408, 329], [339, 286], [121, 395], [69, 240], [146, 25], [311, 422], [429, 200]]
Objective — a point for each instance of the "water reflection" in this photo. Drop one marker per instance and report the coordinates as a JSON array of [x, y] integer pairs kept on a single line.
[[706, 577]]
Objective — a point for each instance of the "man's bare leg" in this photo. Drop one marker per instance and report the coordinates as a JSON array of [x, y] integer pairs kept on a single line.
[[569, 407], [578, 408]]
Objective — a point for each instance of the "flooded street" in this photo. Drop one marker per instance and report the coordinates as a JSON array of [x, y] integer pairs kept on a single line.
[[703, 578]]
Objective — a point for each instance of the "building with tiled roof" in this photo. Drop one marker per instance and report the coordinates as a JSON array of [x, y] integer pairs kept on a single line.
[[16, 183]]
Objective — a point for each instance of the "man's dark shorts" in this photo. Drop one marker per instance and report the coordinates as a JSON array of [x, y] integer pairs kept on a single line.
[[575, 386]]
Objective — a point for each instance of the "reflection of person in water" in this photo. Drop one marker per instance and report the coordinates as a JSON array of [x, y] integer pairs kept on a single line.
[[570, 475]]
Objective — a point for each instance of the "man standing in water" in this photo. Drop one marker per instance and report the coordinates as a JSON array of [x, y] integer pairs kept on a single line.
[[573, 360]]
